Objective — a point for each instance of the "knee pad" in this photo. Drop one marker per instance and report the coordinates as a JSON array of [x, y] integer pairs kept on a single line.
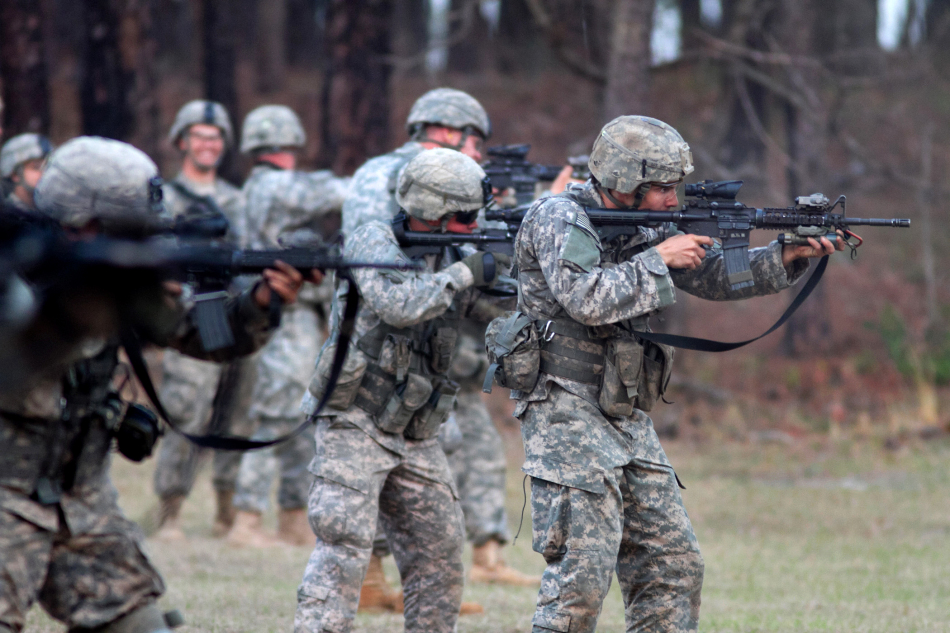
[[147, 619]]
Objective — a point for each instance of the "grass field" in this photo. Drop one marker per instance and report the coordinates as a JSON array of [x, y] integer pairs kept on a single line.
[[803, 537]]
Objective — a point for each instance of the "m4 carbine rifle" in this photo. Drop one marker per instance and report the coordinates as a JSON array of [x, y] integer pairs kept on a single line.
[[417, 243], [712, 210], [508, 168]]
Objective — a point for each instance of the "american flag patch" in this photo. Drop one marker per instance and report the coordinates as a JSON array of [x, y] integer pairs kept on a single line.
[[582, 221]]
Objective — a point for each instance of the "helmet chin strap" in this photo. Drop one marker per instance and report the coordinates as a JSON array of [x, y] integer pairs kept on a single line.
[[638, 197]]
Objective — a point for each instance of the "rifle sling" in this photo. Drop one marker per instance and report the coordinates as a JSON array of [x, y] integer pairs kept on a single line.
[[706, 345], [133, 348]]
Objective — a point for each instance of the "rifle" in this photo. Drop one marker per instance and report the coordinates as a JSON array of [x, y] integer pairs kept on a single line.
[[711, 209], [507, 167], [418, 243]]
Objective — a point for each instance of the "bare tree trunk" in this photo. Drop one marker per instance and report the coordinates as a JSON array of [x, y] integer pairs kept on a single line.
[[23, 67], [271, 54], [924, 194], [355, 98], [138, 47], [105, 83], [303, 33], [628, 70], [220, 56]]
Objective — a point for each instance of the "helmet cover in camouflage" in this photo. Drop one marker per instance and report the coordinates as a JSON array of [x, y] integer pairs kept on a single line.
[[201, 111], [97, 178], [633, 150], [438, 182], [21, 149], [450, 108], [271, 126]]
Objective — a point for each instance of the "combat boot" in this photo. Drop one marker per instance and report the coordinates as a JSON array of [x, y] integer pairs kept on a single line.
[[488, 566], [293, 527], [169, 520], [376, 595], [248, 531], [224, 519]]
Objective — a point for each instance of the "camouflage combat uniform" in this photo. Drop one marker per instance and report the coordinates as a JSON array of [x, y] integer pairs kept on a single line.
[[604, 495], [189, 385], [363, 472], [74, 551], [282, 204], [371, 197]]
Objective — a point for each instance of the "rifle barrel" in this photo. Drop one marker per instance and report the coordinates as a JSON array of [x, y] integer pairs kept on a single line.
[[893, 222]]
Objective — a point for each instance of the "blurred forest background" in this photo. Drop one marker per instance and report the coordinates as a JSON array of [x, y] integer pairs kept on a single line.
[[792, 96]]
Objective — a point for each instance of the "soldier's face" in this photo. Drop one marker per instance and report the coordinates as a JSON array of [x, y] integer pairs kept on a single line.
[[660, 197], [203, 145], [32, 170], [473, 147]]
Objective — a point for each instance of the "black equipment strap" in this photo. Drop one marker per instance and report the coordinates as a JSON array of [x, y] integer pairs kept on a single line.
[[706, 345], [133, 348]]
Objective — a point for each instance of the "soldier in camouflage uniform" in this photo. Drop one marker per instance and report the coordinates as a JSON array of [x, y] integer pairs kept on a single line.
[[284, 206], [202, 132], [377, 452], [63, 540], [604, 495], [21, 166]]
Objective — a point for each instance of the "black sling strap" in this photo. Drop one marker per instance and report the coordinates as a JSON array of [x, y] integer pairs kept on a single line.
[[133, 347], [706, 345]]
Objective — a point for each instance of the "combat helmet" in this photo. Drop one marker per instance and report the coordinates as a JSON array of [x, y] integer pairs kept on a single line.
[[93, 178], [271, 127], [201, 111], [20, 149], [634, 150], [439, 182], [449, 108]]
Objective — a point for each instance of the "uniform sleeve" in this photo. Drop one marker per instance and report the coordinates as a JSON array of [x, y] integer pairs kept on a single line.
[[298, 199], [368, 197], [401, 298], [568, 252], [709, 281]]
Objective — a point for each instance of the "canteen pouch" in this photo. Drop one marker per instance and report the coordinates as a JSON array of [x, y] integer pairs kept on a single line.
[[405, 401], [350, 377], [623, 365], [441, 348], [426, 422], [657, 368], [514, 352]]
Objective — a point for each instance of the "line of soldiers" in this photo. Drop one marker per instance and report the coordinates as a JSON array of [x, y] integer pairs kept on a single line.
[[383, 475]]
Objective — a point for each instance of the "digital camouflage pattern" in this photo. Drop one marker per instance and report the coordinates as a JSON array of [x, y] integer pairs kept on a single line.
[[281, 205], [228, 198], [271, 127], [21, 149], [201, 111], [632, 150], [372, 196], [604, 484], [356, 461], [438, 182], [449, 108]]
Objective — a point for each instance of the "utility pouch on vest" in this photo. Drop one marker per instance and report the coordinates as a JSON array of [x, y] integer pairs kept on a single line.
[[620, 382], [395, 355], [426, 422], [407, 399], [511, 341], [350, 377], [441, 348], [657, 369]]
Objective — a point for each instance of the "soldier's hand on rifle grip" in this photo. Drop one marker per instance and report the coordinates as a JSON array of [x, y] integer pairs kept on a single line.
[[814, 249], [684, 251], [283, 279]]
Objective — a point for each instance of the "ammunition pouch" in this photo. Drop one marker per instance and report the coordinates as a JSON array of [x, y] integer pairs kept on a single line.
[[427, 420], [351, 376], [511, 341], [405, 400]]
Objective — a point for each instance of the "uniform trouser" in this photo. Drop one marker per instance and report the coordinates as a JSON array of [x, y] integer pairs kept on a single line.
[[636, 526], [288, 460], [84, 581], [358, 480]]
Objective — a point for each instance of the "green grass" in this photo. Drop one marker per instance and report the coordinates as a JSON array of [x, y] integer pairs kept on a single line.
[[809, 537]]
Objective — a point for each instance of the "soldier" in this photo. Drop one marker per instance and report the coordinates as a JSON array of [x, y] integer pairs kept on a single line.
[[377, 450], [604, 495], [63, 540], [451, 119], [284, 206], [21, 165], [202, 133]]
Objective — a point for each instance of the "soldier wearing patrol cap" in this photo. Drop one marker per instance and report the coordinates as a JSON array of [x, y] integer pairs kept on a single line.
[[378, 453], [604, 495], [202, 132], [21, 165], [63, 540], [290, 207]]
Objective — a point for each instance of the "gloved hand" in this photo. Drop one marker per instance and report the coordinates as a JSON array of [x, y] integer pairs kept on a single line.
[[487, 267]]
